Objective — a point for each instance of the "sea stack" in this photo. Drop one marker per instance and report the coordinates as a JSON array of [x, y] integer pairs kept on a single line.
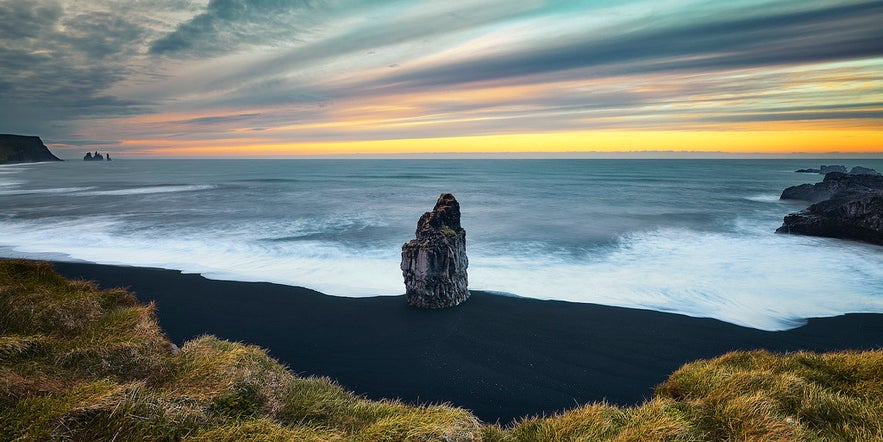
[[434, 264]]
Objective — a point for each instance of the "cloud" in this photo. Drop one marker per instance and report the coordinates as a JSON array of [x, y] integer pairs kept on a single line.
[[221, 119], [840, 32], [229, 24], [23, 20], [59, 61], [321, 69]]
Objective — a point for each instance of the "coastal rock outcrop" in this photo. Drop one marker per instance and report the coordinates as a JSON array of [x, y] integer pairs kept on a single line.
[[24, 149], [824, 169], [859, 170], [850, 216], [434, 264], [848, 206], [834, 184], [95, 157]]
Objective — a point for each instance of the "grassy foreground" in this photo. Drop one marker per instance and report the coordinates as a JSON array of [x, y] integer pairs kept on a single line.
[[81, 364]]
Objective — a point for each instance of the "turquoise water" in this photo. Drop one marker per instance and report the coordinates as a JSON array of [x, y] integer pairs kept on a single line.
[[688, 236]]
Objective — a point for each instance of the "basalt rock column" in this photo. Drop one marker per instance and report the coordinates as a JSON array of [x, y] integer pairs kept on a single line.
[[434, 264]]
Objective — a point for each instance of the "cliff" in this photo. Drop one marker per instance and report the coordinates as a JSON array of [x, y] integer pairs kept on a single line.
[[24, 149]]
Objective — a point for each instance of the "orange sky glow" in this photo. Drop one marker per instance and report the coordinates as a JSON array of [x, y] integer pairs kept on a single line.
[[414, 77]]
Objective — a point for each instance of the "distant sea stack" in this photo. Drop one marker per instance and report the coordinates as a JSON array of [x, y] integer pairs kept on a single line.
[[95, 157], [434, 264], [24, 149]]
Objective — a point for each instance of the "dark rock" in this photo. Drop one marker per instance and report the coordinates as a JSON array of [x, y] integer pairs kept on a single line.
[[24, 149], [94, 157], [851, 216], [859, 170], [824, 169], [848, 206], [835, 168], [434, 265], [834, 184], [803, 192]]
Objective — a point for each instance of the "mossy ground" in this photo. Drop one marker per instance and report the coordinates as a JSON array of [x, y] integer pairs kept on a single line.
[[82, 364]]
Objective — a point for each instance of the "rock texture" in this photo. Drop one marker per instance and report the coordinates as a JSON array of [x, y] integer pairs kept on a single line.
[[24, 149], [434, 264], [824, 169], [834, 184], [859, 170], [850, 216], [848, 206], [94, 157]]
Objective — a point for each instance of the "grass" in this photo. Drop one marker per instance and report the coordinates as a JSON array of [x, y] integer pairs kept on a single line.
[[82, 364]]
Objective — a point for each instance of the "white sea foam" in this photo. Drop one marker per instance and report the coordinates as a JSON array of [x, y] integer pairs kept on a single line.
[[765, 281], [328, 267], [154, 189], [647, 238], [750, 277], [765, 198], [39, 191]]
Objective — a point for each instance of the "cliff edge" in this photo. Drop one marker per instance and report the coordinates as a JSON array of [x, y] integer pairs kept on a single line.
[[24, 149]]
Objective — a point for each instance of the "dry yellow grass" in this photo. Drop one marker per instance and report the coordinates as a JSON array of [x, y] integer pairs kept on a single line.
[[78, 363]]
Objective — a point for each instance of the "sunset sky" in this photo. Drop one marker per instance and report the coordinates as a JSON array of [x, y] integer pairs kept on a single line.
[[301, 77]]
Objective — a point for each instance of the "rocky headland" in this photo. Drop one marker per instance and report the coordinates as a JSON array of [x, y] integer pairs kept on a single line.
[[434, 264], [24, 149], [848, 206], [834, 184]]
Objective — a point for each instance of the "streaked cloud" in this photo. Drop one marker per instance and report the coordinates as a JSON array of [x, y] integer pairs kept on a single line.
[[229, 24], [261, 73]]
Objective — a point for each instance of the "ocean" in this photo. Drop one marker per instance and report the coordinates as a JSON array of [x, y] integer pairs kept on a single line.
[[694, 237]]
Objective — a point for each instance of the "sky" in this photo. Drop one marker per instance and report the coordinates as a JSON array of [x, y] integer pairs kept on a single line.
[[253, 78]]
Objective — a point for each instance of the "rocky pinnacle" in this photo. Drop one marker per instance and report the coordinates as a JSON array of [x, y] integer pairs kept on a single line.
[[434, 264]]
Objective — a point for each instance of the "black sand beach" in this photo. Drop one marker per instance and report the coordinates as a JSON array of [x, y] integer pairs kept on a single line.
[[499, 356]]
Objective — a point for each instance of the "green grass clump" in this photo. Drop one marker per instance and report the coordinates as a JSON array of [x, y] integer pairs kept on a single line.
[[82, 364]]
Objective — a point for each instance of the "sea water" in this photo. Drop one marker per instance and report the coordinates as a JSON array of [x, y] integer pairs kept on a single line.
[[688, 236]]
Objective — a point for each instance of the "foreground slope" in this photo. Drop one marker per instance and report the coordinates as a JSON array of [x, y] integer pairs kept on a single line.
[[78, 363]]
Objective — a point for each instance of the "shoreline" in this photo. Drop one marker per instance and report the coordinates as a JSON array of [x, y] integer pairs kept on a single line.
[[501, 357]]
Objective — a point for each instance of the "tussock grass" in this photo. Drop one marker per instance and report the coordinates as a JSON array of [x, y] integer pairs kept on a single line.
[[78, 363]]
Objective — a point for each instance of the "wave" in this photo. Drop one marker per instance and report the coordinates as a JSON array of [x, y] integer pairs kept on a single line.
[[766, 281], [748, 276], [269, 180], [51, 190], [154, 189], [765, 198]]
